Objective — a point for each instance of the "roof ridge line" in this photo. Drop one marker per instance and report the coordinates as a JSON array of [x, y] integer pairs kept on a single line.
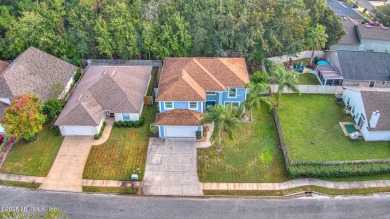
[[208, 73], [231, 70], [184, 72]]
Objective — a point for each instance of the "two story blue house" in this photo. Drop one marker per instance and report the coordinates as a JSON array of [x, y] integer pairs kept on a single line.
[[188, 85]]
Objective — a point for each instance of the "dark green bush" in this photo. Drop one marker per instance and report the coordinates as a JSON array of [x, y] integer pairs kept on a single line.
[[137, 123], [141, 120], [104, 123], [77, 75], [198, 135], [96, 137], [337, 170], [129, 123], [32, 139], [120, 123], [115, 124]]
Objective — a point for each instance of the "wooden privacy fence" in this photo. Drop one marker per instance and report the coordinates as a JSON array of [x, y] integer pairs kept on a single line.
[[302, 55], [311, 89], [154, 63], [281, 137]]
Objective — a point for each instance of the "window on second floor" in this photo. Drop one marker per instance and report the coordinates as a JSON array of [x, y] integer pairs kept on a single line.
[[232, 92], [168, 105], [193, 105]]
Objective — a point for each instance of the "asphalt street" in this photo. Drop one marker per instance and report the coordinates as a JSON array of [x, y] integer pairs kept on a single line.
[[82, 205], [366, 4]]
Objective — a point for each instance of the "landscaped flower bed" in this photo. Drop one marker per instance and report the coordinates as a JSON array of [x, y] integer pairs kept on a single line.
[[5, 148]]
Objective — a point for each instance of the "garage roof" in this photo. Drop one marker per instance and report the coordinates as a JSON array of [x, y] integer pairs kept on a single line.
[[178, 117]]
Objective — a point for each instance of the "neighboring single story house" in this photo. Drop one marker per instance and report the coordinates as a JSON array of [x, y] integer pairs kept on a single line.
[[344, 9], [363, 37], [370, 108], [361, 68], [187, 86], [36, 72], [116, 91]]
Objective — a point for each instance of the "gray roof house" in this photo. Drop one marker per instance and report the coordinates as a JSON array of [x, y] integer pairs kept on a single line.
[[361, 68], [370, 111], [116, 91], [34, 71], [363, 37]]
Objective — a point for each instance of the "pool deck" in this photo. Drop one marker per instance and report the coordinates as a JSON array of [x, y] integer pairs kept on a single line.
[[342, 124]]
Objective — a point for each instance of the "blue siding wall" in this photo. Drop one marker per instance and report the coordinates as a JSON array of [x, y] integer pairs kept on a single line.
[[180, 105], [241, 92], [212, 97]]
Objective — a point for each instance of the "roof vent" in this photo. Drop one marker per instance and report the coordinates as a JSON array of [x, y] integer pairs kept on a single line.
[[385, 28], [113, 72], [78, 99], [104, 72], [368, 26]]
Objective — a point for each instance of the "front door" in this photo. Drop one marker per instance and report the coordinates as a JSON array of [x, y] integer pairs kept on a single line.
[[210, 103]]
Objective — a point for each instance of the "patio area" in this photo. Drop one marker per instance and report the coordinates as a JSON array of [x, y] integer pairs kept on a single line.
[[349, 127]]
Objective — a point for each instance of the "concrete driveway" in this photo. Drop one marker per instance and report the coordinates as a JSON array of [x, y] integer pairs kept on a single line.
[[66, 174], [171, 168]]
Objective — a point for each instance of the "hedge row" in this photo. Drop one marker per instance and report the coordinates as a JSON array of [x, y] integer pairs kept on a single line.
[[337, 170], [129, 124], [97, 136]]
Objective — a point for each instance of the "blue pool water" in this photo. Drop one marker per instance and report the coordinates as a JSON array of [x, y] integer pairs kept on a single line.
[[322, 63]]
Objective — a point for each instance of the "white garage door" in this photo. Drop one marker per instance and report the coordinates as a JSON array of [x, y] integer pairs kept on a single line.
[[77, 130], [180, 131]]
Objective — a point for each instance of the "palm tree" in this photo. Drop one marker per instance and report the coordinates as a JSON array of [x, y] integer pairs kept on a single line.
[[255, 97], [285, 79], [224, 121], [316, 39]]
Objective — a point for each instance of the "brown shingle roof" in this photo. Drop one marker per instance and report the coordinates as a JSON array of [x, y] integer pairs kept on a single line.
[[120, 89], [37, 72], [377, 100], [373, 32], [189, 78], [3, 66], [179, 117]]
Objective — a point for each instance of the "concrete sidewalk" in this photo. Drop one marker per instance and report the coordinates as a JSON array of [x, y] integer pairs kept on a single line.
[[109, 183], [21, 178], [296, 183]]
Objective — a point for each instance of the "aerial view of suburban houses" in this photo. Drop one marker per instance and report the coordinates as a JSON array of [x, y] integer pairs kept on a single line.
[[197, 102]]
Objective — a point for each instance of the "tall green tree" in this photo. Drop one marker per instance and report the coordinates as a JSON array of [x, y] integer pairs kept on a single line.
[[224, 122], [285, 80], [256, 97], [382, 15], [23, 117], [316, 39]]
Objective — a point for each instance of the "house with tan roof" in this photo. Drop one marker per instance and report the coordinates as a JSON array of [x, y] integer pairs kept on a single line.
[[37, 72], [187, 86], [104, 91], [370, 111]]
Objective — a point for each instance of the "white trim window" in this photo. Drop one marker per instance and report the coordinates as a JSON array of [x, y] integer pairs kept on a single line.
[[232, 92], [126, 116], [383, 83], [232, 103], [211, 93], [193, 105], [168, 105]]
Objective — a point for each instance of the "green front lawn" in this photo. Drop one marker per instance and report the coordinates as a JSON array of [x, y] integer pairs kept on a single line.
[[123, 153], [33, 159], [315, 118], [308, 79], [253, 157]]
